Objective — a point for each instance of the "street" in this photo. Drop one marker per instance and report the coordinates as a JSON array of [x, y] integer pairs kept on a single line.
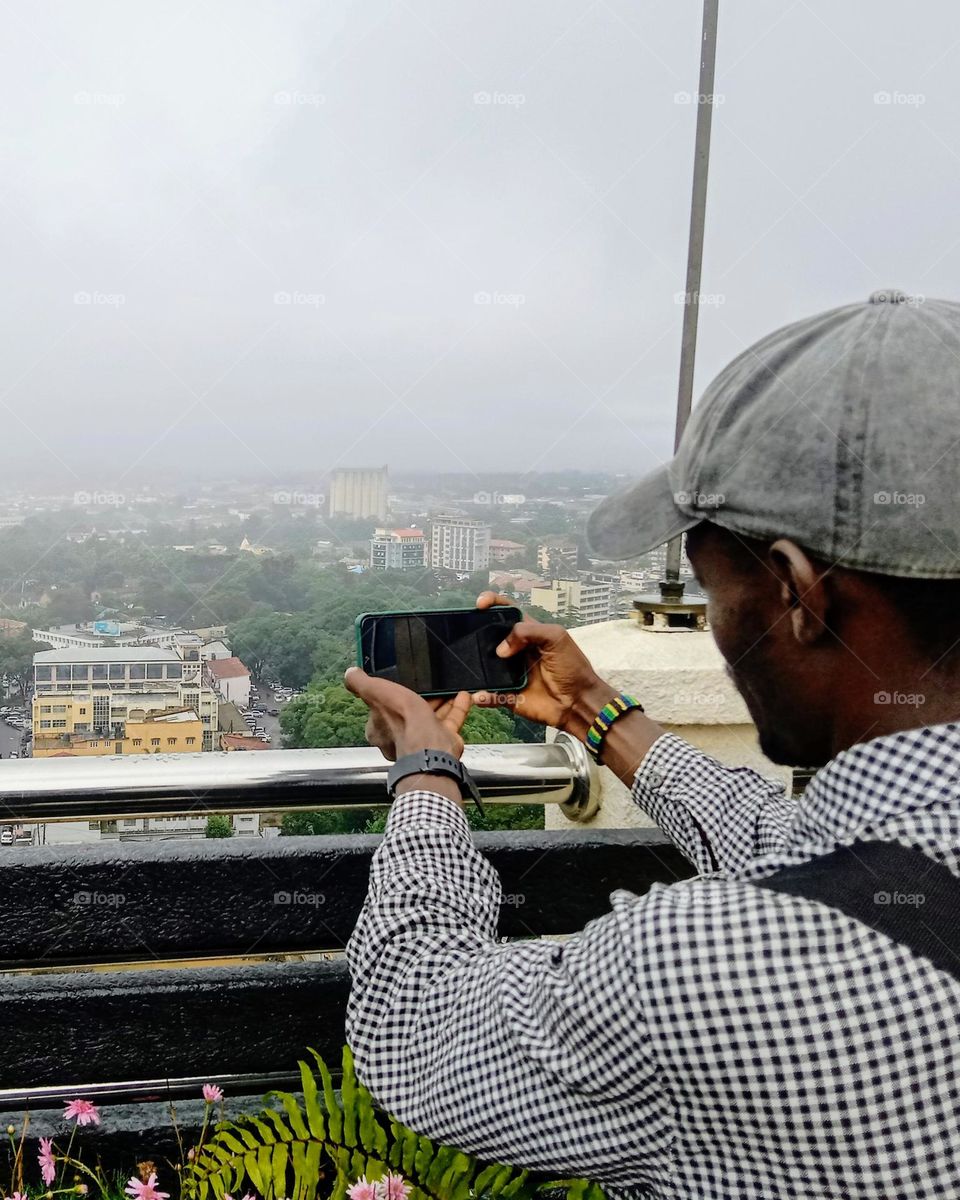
[[10, 739]]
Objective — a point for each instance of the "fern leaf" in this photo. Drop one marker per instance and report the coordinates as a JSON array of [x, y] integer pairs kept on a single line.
[[334, 1113], [292, 1109], [253, 1170], [311, 1103], [348, 1095]]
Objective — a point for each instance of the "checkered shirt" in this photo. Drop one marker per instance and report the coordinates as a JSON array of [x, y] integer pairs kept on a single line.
[[708, 1039]]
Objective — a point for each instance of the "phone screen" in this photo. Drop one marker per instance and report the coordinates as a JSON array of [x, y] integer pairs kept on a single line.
[[441, 653]]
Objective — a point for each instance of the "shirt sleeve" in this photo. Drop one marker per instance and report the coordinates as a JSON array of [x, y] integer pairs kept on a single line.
[[720, 817], [533, 1053]]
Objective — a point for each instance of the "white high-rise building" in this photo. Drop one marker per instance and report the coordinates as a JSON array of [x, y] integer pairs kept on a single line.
[[459, 544], [359, 492]]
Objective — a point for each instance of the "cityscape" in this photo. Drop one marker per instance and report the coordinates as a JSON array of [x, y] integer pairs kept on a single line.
[[218, 618]]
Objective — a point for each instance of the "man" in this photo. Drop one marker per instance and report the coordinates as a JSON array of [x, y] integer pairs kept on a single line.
[[740, 1034]]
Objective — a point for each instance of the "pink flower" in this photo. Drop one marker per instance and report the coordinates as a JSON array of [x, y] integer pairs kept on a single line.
[[18, 1196], [45, 1158], [211, 1093], [146, 1191], [394, 1187], [83, 1112], [362, 1190]]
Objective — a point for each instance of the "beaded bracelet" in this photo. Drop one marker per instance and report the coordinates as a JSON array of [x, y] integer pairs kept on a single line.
[[605, 718]]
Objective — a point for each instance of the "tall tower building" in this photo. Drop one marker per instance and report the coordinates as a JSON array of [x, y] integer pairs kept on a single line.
[[359, 492], [459, 544]]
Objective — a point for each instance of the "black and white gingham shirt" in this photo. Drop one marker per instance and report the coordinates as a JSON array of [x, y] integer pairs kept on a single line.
[[708, 1039]]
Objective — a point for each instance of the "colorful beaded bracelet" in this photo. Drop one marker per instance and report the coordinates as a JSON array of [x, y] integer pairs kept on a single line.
[[605, 718]]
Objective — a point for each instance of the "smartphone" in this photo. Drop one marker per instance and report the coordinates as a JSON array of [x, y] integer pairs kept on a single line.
[[442, 653]]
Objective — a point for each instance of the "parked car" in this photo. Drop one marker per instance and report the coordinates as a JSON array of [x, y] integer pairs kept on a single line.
[[6, 836]]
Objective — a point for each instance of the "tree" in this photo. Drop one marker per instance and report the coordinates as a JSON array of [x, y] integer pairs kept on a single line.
[[219, 826], [16, 661]]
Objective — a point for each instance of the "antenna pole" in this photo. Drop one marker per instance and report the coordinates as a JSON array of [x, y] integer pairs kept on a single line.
[[671, 588]]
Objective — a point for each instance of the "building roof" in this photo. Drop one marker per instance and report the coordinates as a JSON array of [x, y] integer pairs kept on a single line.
[[227, 668], [107, 654], [505, 544], [408, 533], [183, 714], [243, 741]]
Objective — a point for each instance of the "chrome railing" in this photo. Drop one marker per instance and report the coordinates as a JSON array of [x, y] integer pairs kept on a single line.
[[109, 787]]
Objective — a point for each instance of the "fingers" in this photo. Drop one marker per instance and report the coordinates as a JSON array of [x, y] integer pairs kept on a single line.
[[529, 633], [489, 599], [455, 711], [372, 690]]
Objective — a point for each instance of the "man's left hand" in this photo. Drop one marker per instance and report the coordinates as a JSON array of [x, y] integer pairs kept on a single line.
[[401, 722]]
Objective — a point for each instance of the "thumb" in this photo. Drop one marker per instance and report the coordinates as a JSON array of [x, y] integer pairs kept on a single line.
[[367, 687]]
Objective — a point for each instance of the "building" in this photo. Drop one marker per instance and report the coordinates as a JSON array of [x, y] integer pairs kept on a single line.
[[115, 680], [230, 679], [141, 829], [587, 599], [92, 634], [518, 582], [215, 649], [459, 544], [558, 556], [398, 549], [242, 741], [359, 492], [501, 549], [10, 628], [76, 726]]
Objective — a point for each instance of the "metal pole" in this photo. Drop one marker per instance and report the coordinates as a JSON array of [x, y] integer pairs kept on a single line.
[[691, 308]]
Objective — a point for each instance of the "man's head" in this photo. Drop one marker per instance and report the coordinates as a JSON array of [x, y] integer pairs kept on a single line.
[[818, 483], [825, 656]]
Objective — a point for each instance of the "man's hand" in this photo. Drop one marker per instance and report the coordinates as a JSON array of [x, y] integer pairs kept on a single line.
[[563, 689], [401, 722]]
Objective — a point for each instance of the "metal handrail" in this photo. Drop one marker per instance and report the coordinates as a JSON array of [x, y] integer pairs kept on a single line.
[[111, 787]]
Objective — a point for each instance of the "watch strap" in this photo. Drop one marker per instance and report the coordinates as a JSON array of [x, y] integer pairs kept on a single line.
[[433, 762]]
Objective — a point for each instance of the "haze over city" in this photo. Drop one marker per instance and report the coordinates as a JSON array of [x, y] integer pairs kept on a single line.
[[451, 238]]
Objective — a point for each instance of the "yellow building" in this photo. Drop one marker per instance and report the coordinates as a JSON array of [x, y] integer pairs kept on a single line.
[[63, 726]]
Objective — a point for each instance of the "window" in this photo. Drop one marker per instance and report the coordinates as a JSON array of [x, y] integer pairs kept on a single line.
[[63, 674], [137, 671], [81, 672], [83, 712], [117, 671], [191, 741], [154, 670], [154, 741], [171, 741], [118, 748], [174, 670], [99, 670], [81, 726], [59, 708], [60, 724], [45, 724], [138, 741], [43, 674], [45, 708]]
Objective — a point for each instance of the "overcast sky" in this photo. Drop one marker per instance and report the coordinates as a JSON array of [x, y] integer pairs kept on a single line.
[[172, 172]]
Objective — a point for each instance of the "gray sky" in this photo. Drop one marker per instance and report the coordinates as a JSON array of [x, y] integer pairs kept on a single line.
[[168, 170]]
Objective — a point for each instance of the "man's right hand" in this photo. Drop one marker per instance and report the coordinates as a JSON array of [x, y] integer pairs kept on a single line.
[[563, 690]]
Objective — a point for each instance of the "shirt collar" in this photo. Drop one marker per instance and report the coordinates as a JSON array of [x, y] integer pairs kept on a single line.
[[875, 781]]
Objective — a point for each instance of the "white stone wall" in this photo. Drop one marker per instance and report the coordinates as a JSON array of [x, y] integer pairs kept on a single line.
[[681, 681]]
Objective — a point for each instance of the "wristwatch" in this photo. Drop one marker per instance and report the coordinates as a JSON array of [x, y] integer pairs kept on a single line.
[[433, 762]]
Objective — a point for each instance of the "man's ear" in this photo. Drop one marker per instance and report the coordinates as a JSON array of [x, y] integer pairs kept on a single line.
[[804, 590]]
